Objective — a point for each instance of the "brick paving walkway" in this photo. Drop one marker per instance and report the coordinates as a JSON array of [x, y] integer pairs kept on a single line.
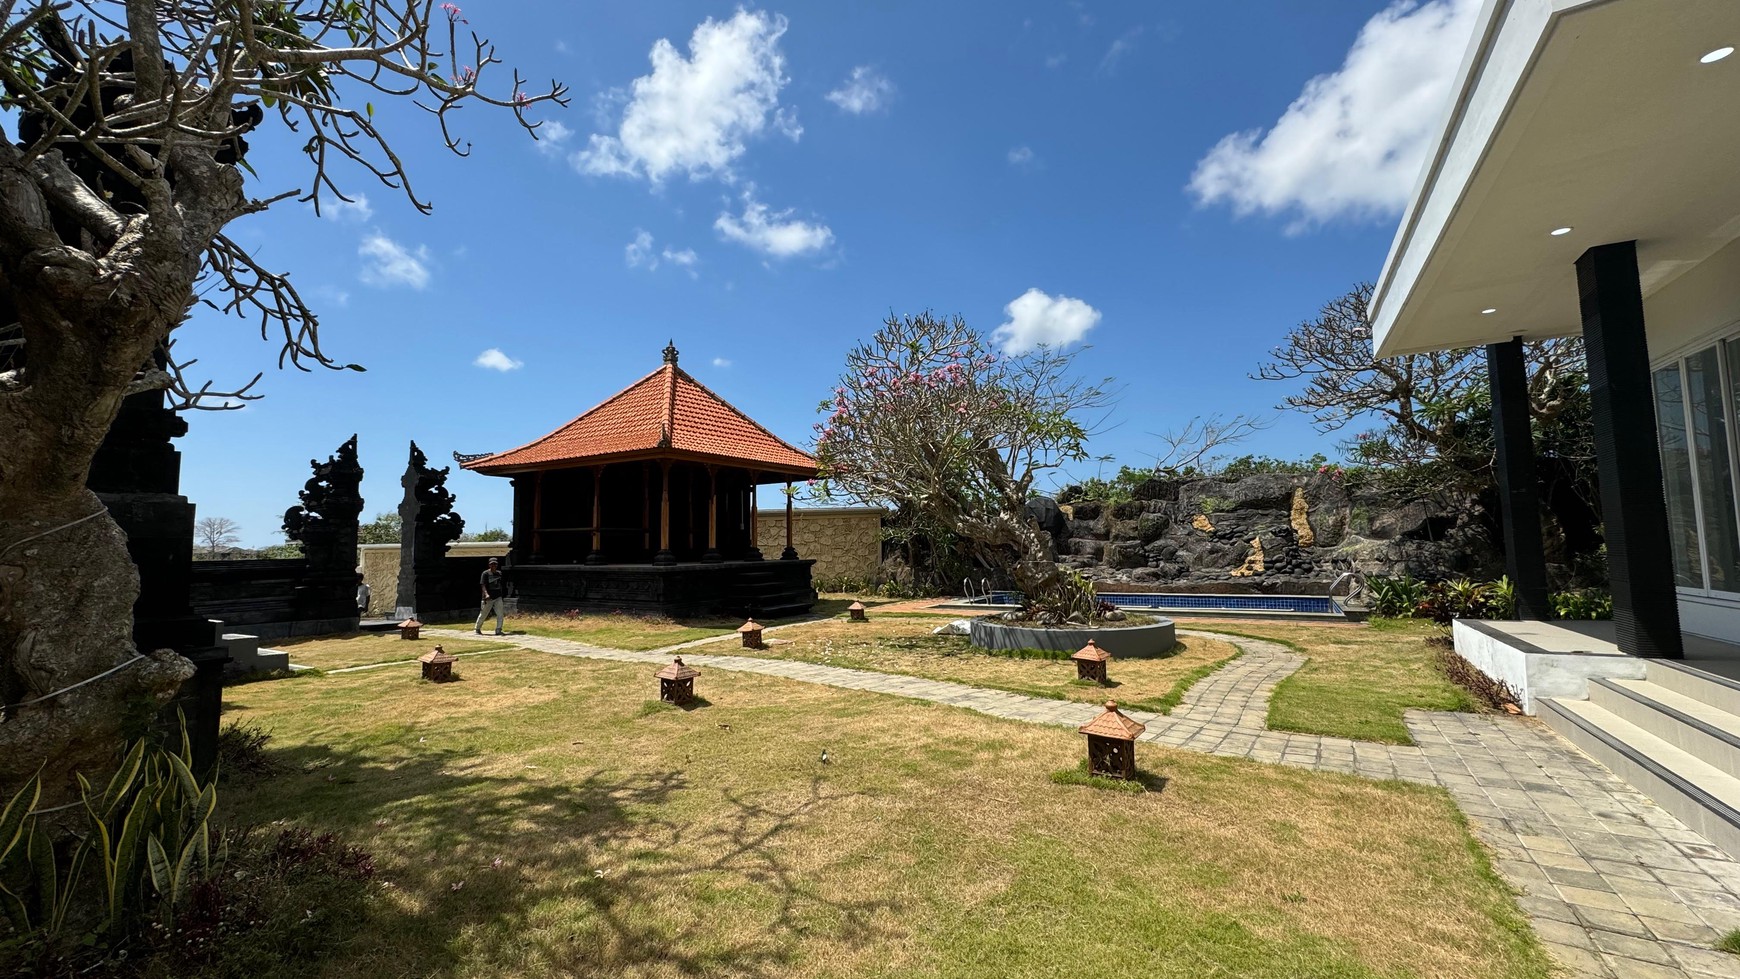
[[1615, 886]]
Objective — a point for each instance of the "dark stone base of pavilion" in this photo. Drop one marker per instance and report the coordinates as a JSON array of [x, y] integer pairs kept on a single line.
[[767, 589]]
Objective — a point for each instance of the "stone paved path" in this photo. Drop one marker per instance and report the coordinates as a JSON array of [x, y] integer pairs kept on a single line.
[[1615, 886]]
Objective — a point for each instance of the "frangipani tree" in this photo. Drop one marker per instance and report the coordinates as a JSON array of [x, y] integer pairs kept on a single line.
[[126, 166], [928, 415]]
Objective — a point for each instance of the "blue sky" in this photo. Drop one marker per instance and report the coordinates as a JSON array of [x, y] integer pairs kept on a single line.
[[1171, 185]]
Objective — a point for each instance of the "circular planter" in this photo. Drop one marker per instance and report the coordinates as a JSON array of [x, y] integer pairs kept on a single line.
[[1154, 639]]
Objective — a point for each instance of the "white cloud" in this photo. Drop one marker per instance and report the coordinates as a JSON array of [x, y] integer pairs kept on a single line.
[[1353, 142], [695, 115], [1125, 43], [867, 90], [495, 360], [721, 362], [392, 264], [1022, 156], [641, 254], [551, 135], [1036, 318], [774, 233], [1055, 60], [355, 209]]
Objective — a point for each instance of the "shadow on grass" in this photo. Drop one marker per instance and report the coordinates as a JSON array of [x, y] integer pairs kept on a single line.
[[1144, 781], [571, 878]]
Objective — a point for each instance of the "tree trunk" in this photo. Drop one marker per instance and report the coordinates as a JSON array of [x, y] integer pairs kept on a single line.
[[89, 320]]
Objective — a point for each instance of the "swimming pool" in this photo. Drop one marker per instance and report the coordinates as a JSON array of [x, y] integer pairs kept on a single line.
[[1163, 602]]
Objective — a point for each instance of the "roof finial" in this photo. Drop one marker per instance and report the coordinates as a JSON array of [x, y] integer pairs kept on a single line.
[[671, 353]]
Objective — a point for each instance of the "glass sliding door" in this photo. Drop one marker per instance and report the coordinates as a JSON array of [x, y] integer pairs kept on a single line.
[[1676, 465], [1711, 447]]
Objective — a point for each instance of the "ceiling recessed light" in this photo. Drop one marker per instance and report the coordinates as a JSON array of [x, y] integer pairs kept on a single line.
[[1557, 232], [1716, 55], [1489, 312]]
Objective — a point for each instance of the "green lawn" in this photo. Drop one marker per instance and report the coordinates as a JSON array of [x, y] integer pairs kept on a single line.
[[641, 632], [1358, 680], [904, 644], [364, 648], [537, 819]]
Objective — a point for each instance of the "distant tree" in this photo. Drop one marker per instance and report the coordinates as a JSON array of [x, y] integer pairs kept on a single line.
[[487, 534], [217, 534], [383, 529], [927, 416], [125, 166]]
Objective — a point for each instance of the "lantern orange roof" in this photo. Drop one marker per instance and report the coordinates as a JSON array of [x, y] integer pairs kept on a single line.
[[1113, 724], [666, 414], [678, 670], [1091, 653]]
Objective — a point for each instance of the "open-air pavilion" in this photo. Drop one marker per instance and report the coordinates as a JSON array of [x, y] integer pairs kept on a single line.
[[647, 503]]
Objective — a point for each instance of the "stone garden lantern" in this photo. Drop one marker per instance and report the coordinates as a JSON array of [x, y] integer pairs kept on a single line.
[[437, 665], [410, 628], [1090, 663], [856, 611], [1112, 743], [751, 632], [677, 682]]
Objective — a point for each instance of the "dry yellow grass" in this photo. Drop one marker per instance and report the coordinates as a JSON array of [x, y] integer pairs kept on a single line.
[[667, 843], [905, 645], [363, 648]]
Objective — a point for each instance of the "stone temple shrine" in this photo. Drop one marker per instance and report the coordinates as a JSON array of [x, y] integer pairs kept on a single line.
[[647, 503]]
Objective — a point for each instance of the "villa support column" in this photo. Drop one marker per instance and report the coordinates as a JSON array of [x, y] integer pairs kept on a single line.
[[712, 515], [1525, 555], [790, 552], [537, 516], [596, 554], [1646, 617], [754, 552], [664, 556]]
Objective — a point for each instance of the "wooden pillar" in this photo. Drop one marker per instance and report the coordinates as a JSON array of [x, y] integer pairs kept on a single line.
[[694, 478], [712, 515], [754, 552], [537, 515], [646, 506], [596, 555], [664, 556], [1646, 615], [790, 552]]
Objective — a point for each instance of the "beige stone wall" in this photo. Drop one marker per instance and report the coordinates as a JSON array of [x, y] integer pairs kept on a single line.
[[380, 568], [842, 540]]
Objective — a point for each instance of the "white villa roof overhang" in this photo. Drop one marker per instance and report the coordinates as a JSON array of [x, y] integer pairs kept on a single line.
[[1596, 115]]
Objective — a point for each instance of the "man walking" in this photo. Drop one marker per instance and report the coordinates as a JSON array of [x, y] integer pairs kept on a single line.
[[494, 588]]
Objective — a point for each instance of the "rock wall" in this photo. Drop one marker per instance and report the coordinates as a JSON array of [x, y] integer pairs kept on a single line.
[[1267, 533]]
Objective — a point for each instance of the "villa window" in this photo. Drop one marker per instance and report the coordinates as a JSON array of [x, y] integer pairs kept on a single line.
[[1697, 403]]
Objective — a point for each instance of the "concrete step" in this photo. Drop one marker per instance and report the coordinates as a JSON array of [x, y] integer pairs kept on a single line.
[[1706, 732], [1701, 795], [1717, 691], [247, 656], [271, 660]]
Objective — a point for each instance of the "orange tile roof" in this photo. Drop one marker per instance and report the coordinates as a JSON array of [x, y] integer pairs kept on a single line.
[[666, 413]]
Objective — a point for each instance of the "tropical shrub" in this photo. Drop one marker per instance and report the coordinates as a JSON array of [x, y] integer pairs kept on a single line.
[[1584, 604], [1395, 598], [147, 841]]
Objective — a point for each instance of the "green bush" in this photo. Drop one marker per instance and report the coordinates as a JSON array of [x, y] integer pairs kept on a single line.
[[1585, 604], [147, 841], [1395, 598]]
